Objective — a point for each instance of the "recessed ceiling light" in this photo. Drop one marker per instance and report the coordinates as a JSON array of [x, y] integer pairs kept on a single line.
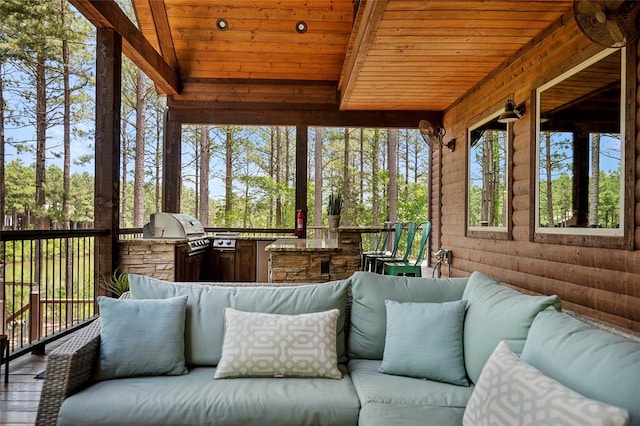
[[222, 24], [301, 27]]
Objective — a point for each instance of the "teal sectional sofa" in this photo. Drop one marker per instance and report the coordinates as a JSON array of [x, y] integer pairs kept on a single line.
[[370, 350]]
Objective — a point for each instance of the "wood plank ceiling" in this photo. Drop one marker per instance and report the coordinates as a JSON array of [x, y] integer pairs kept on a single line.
[[355, 55]]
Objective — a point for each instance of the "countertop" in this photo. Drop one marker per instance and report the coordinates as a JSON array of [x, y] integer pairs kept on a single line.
[[300, 244]]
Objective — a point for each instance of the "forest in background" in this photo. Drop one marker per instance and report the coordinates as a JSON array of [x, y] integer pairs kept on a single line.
[[234, 176]]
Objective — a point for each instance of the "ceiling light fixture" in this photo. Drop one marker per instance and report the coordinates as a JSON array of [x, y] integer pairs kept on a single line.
[[222, 24], [511, 112], [301, 27]]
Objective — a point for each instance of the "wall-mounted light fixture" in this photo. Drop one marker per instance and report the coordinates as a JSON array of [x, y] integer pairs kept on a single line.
[[222, 24], [301, 27], [511, 112]]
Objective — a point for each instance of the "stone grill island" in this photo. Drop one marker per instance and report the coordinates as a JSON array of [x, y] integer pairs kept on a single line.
[[317, 260]]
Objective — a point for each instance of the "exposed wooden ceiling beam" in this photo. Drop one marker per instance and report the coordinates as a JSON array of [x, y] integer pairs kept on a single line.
[[107, 14], [161, 22], [367, 19], [228, 114]]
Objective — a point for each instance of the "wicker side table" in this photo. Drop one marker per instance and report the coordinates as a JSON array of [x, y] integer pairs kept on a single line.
[[4, 356]]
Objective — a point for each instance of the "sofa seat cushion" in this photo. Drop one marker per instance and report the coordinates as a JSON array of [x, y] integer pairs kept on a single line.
[[368, 326], [196, 399], [591, 361], [379, 414], [204, 331], [375, 387]]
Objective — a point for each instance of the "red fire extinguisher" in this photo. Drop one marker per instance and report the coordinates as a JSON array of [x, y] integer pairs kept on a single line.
[[299, 221]]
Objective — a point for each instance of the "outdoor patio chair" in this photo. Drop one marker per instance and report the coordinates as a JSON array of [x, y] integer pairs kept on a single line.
[[410, 268], [381, 244], [411, 232], [370, 261]]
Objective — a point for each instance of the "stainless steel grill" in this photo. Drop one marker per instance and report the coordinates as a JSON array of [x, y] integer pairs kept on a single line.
[[177, 226]]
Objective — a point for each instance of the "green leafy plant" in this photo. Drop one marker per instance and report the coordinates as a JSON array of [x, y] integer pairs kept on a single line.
[[116, 283], [334, 207]]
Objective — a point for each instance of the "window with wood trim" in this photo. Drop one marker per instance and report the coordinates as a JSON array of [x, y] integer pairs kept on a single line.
[[488, 192], [581, 152]]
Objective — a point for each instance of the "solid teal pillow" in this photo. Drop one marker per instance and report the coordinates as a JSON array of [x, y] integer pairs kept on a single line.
[[141, 337], [424, 340], [494, 313]]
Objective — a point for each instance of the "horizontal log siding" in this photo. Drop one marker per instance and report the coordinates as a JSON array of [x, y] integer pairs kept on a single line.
[[597, 282]]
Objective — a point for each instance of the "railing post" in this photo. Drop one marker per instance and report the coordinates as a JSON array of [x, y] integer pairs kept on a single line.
[[35, 328]]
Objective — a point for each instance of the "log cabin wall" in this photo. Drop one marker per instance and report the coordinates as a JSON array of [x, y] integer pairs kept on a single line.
[[598, 282]]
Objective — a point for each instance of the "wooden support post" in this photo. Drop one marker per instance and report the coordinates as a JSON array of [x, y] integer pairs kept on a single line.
[[107, 181], [302, 143], [35, 326]]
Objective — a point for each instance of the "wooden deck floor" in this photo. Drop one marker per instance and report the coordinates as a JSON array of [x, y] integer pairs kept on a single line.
[[20, 397]]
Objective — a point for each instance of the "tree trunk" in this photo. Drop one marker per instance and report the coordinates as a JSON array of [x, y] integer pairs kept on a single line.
[[406, 163], [197, 143], [317, 194], [158, 162], [125, 164], [547, 167], [416, 156], [66, 179], [278, 170], [41, 138], [346, 190], [271, 172], [486, 211], [392, 155], [228, 177], [594, 182], [361, 165], [205, 156], [138, 174], [375, 204], [2, 141]]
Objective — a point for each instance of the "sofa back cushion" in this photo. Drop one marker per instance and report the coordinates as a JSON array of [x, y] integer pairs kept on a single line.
[[204, 330], [593, 362], [368, 325], [494, 313]]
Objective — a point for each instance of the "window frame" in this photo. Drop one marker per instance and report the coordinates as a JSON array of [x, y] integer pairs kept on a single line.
[[618, 238], [491, 232]]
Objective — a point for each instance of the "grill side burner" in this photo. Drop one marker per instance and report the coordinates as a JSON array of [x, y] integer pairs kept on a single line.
[[225, 241]]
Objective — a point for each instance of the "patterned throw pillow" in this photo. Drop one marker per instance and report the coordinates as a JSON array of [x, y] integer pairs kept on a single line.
[[274, 345], [511, 392]]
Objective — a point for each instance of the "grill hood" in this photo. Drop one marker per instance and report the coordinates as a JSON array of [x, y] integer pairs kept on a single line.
[[173, 225]]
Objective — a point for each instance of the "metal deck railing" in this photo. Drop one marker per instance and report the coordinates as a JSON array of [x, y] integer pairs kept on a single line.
[[47, 285]]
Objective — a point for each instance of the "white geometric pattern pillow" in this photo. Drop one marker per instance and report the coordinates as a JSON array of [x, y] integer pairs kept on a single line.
[[511, 392], [274, 345]]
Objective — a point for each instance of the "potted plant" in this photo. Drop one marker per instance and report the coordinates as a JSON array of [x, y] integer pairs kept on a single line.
[[334, 208], [115, 284]]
